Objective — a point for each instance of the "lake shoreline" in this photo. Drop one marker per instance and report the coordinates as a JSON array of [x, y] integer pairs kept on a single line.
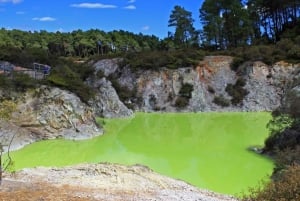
[[159, 149], [105, 181]]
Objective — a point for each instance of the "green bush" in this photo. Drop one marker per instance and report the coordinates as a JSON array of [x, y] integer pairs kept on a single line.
[[22, 82], [71, 77], [181, 102], [24, 57], [18, 82], [236, 62], [186, 90], [157, 59], [284, 138], [236, 91], [221, 100], [185, 93]]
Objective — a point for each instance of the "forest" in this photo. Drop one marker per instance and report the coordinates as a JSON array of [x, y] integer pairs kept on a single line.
[[269, 30]]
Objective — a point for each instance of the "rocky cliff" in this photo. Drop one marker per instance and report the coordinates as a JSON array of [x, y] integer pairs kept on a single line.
[[161, 89], [48, 113]]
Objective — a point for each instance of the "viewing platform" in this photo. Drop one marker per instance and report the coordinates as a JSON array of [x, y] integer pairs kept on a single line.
[[38, 71]]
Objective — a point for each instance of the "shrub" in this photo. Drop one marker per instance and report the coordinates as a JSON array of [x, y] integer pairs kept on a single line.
[[288, 138], [285, 188], [221, 100], [186, 90], [181, 102], [157, 59], [267, 52], [236, 91], [252, 54], [294, 54], [287, 157], [22, 82], [16, 82], [185, 93], [7, 107], [285, 44], [236, 62], [71, 77], [210, 89]]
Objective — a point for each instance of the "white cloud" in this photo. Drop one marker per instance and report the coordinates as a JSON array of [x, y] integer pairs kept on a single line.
[[130, 7], [12, 1], [44, 19], [20, 12], [92, 5], [131, 1], [146, 28]]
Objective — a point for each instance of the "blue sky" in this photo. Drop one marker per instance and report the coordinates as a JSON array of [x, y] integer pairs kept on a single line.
[[138, 16]]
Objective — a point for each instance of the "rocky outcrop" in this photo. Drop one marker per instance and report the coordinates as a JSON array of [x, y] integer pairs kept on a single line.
[[48, 113], [291, 100], [109, 182], [106, 102], [107, 66], [159, 90]]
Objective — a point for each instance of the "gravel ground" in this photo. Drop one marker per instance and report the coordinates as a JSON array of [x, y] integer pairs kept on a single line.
[[109, 182]]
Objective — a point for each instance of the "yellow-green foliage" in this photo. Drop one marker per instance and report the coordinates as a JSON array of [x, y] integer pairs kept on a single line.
[[7, 107]]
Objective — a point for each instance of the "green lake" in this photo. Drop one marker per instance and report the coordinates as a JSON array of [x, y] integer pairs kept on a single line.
[[208, 150]]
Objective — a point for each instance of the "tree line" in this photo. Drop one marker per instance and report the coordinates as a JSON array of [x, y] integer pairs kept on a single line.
[[225, 24], [77, 43], [233, 23]]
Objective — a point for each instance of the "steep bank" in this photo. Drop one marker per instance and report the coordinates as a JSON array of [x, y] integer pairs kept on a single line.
[[160, 90]]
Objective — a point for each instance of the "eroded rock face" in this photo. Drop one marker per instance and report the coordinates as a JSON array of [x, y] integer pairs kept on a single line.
[[263, 94], [107, 66], [107, 102], [159, 90], [48, 113], [291, 100]]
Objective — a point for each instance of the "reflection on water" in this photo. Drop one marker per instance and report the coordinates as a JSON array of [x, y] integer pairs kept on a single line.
[[208, 150]]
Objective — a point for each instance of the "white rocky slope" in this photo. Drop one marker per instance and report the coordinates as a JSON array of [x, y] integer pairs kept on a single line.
[[111, 182]]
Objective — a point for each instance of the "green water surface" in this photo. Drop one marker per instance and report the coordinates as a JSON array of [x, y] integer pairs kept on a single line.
[[208, 150]]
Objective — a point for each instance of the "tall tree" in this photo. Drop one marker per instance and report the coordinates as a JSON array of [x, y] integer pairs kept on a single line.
[[275, 16], [210, 16], [182, 20], [226, 23]]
